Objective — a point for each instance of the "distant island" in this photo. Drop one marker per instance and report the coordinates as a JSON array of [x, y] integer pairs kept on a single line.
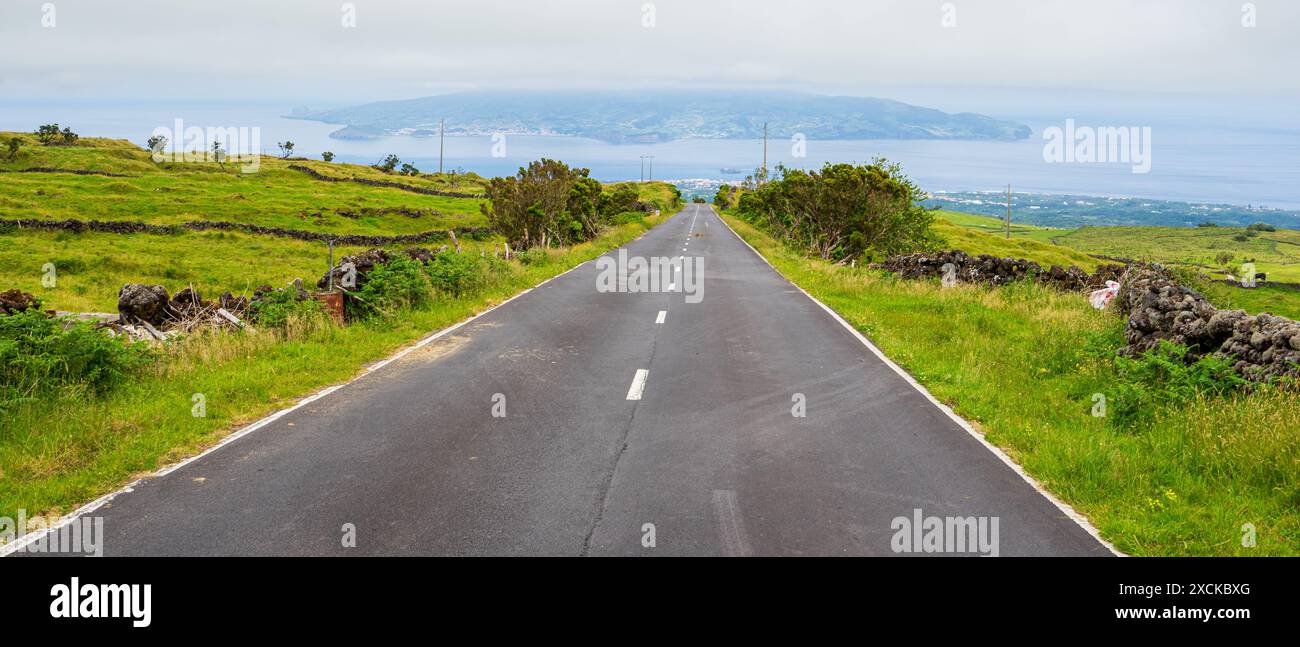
[[1069, 211], [651, 117]]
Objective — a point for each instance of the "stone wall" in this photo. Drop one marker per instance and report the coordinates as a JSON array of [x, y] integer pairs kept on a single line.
[[135, 227], [993, 270], [1261, 347]]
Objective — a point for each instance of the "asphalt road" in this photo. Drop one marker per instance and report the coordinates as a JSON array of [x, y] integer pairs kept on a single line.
[[711, 456]]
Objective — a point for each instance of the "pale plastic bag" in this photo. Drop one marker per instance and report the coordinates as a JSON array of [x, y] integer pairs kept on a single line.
[[1101, 297]]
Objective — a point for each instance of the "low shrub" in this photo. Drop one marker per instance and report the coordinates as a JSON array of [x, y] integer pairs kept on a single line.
[[399, 283], [279, 308], [627, 217], [454, 274], [39, 355], [1162, 377]]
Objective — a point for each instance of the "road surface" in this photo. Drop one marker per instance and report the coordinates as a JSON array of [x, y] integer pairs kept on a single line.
[[710, 460]]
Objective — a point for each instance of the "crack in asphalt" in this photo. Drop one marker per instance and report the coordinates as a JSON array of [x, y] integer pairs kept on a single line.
[[602, 499]]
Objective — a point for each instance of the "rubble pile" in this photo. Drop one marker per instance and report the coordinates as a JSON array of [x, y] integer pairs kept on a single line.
[[15, 301]]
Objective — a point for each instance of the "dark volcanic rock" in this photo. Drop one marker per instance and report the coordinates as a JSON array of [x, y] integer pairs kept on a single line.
[[364, 263], [1261, 347], [419, 254], [138, 303], [235, 305], [15, 301], [185, 302], [993, 270]]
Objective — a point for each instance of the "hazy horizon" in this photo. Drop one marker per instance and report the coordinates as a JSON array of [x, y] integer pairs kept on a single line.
[[917, 52]]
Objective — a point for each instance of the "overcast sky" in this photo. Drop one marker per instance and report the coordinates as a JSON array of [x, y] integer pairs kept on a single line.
[[299, 51]]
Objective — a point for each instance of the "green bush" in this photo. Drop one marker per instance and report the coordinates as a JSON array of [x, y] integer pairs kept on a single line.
[[400, 283], [1162, 377], [452, 273], [276, 309], [38, 355], [844, 212]]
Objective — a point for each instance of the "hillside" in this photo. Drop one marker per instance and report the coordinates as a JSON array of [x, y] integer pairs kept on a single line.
[[658, 117], [172, 193], [92, 266], [981, 235]]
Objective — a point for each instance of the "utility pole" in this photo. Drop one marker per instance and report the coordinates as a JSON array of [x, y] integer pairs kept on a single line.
[[650, 175], [442, 138], [1008, 212], [763, 180]]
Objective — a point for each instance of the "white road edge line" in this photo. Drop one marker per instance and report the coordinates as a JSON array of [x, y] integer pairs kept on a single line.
[[18, 544], [1064, 507], [638, 384], [663, 314]]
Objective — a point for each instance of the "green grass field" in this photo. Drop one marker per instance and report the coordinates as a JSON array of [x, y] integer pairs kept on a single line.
[[1023, 362], [970, 234], [1277, 254], [987, 225], [91, 267], [178, 192]]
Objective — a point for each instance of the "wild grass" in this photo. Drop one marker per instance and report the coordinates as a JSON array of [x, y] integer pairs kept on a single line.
[[1023, 363], [90, 268]]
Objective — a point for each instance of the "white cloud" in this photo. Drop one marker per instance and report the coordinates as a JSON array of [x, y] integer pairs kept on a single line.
[[297, 50]]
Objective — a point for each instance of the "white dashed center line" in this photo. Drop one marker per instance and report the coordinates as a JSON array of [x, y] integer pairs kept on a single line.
[[638, 384], [663, 314]]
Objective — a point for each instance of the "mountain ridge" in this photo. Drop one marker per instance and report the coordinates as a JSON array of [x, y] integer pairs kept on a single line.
[[653, 117]]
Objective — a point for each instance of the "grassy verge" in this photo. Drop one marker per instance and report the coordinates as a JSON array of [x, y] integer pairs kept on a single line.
[[1023, 362], [55, 455], [92, 267]]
